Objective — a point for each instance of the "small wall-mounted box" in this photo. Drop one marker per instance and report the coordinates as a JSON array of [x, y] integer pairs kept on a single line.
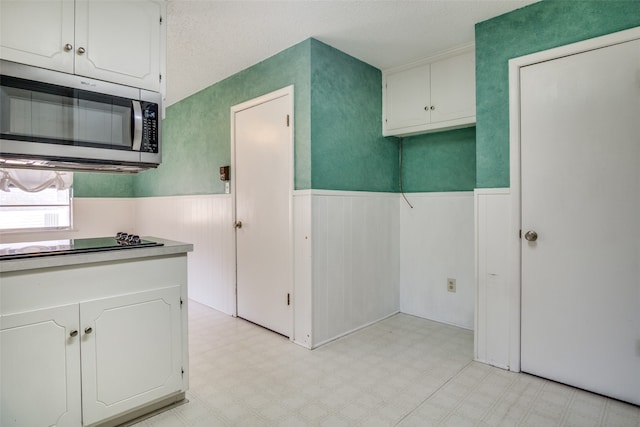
[[224, 173]]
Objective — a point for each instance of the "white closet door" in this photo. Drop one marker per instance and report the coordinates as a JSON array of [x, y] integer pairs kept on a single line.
[[263, 196], [580, 118]]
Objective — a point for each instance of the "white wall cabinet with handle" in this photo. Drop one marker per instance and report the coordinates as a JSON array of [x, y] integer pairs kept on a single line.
[[116, 41], [431, 95]]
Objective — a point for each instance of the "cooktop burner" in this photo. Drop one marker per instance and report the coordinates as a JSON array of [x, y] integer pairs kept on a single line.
[[73, 246]]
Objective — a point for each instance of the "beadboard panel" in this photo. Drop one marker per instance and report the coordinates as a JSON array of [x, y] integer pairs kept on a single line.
[[437, 243], [206, 222], [355, 266], [98, 217], [302, 262], [497, 307]]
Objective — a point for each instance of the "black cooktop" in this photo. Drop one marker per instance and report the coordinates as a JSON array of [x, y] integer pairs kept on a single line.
[[71, 246]]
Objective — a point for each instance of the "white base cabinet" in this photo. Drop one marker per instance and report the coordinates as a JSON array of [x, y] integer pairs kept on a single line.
[[130, 351], [116, 41], [431, 95], [40, 366], [92, 344]]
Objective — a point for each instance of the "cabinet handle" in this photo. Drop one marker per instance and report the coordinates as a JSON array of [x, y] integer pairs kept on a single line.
[[73, 333], [68, 47], [88, 330], [81, 50]]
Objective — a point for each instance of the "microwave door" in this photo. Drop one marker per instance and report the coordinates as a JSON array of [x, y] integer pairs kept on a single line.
[[33, 113], [103, 121]]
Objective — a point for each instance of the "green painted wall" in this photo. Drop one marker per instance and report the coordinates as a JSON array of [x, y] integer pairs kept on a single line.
[[531, 29], [196, 131], [348, 151], [443, 161], [102, 185], [338, 142]]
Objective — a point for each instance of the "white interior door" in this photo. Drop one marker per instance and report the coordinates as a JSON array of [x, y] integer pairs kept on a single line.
[[263, 145], [580, 167]]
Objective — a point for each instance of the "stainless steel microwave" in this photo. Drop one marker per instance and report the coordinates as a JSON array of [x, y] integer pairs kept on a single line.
[[50, 119]]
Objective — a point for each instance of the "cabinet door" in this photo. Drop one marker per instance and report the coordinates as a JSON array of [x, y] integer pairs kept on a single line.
[[453, 88], [407, 98], [121, 41], [40, 368], [131, 355], [36, 32]]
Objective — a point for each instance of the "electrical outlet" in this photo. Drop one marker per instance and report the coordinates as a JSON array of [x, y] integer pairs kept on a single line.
[[451, 285]]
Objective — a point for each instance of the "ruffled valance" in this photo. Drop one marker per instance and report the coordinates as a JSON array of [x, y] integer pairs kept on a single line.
[[32, 180]]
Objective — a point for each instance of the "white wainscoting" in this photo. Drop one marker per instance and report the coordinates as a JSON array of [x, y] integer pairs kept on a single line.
[[302, 262], [355, 270], [436, 243], [206, 222], [358, 256], [497, 311]]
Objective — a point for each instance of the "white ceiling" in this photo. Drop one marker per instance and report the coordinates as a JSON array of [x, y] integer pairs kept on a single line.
[[209, 40]]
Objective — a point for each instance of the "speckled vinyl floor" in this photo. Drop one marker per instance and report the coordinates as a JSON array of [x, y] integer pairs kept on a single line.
[[403, 371]]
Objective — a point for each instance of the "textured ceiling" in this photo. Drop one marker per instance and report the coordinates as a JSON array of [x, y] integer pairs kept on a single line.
[[209, 40]]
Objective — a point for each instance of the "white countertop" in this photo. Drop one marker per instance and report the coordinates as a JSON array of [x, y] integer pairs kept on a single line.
[[170, 247]]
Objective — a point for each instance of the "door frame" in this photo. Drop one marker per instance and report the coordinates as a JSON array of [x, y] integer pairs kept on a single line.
[[288, 90], [515, 264]]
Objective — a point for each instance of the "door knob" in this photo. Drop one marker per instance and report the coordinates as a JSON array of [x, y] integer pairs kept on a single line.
[[237, 224], [531, 236]]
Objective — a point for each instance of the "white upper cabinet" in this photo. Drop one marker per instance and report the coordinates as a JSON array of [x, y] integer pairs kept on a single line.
[[36, 33], [116, 41], [433, 95], [121, 41]]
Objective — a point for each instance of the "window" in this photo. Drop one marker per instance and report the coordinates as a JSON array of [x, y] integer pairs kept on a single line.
[[35, 200]]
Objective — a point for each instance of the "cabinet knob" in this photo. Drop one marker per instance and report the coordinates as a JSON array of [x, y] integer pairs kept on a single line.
[[88, 330], [73, 333], [81, 50], [426, 108], [433, 107], [68, 47], [237, 224]]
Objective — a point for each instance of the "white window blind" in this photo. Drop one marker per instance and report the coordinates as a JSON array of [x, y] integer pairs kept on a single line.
[[35, 199]]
